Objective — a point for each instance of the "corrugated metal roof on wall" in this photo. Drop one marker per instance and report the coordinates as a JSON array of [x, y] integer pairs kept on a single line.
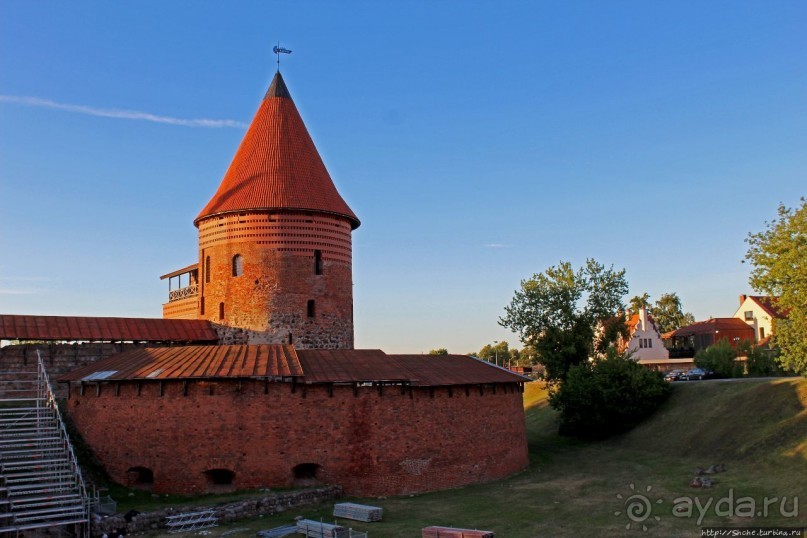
[[17, 327], [350, 366], [194, 362], [441, 370], [314, 366]]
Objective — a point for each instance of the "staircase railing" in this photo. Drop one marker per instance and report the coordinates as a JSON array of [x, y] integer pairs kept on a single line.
[[47, 399]]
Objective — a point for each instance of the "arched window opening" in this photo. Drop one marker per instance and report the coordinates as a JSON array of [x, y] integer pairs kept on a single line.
[[140, 478], [317, 262], [306, 474], [207, 270], [220, 480], [221, 310], [311, 308], [238, 267]]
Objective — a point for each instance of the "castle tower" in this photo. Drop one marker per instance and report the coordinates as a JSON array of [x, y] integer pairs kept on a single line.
[[275, 255]]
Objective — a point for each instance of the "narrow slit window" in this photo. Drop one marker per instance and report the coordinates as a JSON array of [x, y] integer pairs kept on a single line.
[[207, 270], [317, 262], [311, 308], [221, 310], [238, 265], [202, 306]]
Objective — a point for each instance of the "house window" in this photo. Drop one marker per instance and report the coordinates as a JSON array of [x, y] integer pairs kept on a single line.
[[649, 342], [311, 308], [749, 315], [762, 333], [221, 310], [641, 343], [317, 262], [238, 267], [207, 270]]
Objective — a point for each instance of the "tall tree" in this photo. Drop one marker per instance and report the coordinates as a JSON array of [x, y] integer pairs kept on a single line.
[[779, 258], [668, 313], [556, 312], [640, 301], [439, 351], [501, 353]]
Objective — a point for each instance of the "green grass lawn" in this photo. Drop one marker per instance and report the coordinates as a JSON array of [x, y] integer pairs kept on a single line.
[[757, 428]]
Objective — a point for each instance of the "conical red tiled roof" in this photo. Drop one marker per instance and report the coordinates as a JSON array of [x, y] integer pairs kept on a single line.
[[277, 165]]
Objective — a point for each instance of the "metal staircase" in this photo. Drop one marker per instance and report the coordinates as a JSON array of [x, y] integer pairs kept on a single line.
[[41, 484]]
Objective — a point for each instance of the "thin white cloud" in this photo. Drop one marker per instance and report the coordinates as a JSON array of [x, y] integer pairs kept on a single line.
[[26, 278], [496, 245], [20, 291], [120, 113]]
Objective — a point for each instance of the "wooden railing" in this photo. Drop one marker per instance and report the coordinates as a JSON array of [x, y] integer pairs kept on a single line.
[[183, 293]]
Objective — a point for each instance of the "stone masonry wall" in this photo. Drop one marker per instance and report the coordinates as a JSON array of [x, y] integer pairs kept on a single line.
[[371, 441], [269, 504], [58, 358]]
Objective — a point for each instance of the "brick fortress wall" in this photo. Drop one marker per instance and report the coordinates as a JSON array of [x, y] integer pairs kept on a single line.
[[371, 442], [58, 358], [270, 299]]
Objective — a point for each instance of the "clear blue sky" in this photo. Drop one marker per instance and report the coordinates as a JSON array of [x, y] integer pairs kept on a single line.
[[479, 142]]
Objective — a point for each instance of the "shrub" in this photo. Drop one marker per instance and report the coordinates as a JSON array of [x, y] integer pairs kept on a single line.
[[760, 362], [720, 358], [608, 396]]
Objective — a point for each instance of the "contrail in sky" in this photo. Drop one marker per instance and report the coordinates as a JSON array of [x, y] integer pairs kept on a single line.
[[120, 113]]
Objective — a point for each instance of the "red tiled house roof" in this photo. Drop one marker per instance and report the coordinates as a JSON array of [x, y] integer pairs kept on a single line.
[[710, 326], [277, 166], [769, 304]]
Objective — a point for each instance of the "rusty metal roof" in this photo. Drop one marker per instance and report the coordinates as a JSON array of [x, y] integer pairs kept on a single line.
[[188, 269], [312, 366], [16, 327], [193, 362], [350, 366], [441, 370]]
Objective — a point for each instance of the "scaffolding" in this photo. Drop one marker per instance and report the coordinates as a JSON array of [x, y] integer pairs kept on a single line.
[[41, 485]]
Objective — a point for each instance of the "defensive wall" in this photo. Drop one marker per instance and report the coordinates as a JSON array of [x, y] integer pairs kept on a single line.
[[198, 436]]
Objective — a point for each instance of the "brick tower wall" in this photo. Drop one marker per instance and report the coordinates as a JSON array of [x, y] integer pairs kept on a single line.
[[370, 442], [270, 299]]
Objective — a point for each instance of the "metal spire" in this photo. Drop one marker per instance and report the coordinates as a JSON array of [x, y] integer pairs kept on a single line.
[[277, 49]]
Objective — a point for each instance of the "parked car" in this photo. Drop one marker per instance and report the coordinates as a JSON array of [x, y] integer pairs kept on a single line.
[[674, 375], [699, 373]]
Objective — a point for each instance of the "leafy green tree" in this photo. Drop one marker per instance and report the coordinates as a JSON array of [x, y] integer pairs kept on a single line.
[[640, 301], [607, 396], [503, 353], [439, 351], [719, 358], [556, 312], [779, 258], [499, 351], [668, 313]]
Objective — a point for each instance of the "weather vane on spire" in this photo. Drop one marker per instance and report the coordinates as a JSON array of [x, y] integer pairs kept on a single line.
[[277, 49]]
